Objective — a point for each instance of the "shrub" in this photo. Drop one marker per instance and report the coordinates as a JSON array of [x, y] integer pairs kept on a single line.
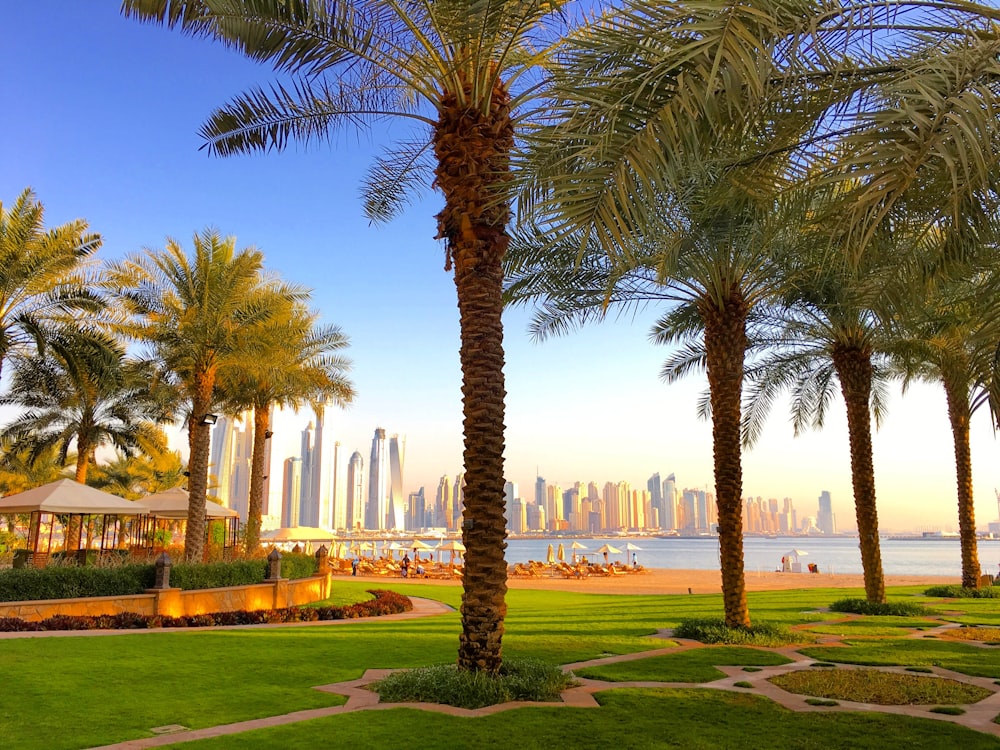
[[518, 680], [716, 631], [888, 609], [70, 581], [114, 579], [958, 592]]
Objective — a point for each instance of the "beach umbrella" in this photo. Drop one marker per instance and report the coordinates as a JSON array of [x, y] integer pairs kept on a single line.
[[632, 548], [576, 546], [607, 549], [561, 553], [418, 545], [452, 547], [550, 556]]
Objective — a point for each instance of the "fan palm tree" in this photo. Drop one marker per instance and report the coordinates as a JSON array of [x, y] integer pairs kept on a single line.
[[452, 68], [41, 274], [198, 315], [300, 366]]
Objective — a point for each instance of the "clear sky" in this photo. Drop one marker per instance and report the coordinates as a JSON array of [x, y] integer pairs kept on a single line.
[[101, 116]]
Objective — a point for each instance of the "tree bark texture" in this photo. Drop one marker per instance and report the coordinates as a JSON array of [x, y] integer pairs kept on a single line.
[[854, 369], [473, 151], [960, 414], [200, 442], [725, 347], [261, 424]]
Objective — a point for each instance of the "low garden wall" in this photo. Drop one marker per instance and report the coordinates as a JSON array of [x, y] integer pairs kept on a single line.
[[272, 594]]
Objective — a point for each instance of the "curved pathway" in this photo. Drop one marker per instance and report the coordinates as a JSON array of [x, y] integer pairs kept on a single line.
[[978, 716]]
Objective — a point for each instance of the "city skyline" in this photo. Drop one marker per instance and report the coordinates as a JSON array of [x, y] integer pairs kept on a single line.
[[318, 490], [587, 403]]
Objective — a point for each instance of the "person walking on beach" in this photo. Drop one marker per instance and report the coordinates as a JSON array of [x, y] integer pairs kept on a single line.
[[354, 565], [405, 565]]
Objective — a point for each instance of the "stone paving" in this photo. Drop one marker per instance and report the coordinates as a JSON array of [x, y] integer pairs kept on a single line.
[[978, 716]]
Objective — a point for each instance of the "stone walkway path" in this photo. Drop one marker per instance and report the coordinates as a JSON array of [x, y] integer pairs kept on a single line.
[[978, 716]]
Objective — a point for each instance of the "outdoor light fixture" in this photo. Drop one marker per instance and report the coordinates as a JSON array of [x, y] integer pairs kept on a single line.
[[268, 434], [210, 419]]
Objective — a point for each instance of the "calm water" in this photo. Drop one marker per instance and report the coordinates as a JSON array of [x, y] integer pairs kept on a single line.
[[834, 555]]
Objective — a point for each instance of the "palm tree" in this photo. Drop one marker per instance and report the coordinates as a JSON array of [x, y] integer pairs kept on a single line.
[[81, 393], [453, 68], [658, 87], [300, 366], [133, 477], [198, 315], [950, 336], [41, 276]]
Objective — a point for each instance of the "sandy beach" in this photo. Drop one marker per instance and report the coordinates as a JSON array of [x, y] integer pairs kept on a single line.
[[659, 581]]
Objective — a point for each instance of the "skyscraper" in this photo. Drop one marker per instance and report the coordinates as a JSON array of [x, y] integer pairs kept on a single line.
[[231, 452], [385, 482], [378, 483], [291, 492], [655, 487], [668, 520], [444, 515], [355, 510], [826, 521]]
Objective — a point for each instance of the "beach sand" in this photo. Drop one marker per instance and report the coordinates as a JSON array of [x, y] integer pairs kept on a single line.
[[662, 581]]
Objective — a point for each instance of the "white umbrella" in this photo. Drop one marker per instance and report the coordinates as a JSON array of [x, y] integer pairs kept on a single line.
[[575, 546], [607, 549], [550, 556]]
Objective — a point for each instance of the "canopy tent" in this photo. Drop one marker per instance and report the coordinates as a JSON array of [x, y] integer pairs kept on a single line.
[[790, 562], [68, 503], [292, 535], [167, 509]]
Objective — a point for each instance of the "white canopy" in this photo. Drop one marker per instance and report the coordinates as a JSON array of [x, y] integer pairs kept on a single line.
[[173, 503], [71, 497], [298, 534]]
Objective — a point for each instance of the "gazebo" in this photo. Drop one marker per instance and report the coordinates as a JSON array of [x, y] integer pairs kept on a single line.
[[61, 502], [170, 507]]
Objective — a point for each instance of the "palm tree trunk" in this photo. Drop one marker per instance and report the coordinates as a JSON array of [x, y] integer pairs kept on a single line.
[[74, 525], [854, 368], [960, 414], [200, 442], [725, 347], [261, 423], [473, 151]]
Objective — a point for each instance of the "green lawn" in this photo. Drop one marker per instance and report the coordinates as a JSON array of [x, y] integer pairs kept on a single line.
[[79, 692]]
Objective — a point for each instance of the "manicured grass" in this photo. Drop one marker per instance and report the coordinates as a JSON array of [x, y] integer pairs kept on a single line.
[[632, 719], [65, 693], [932, 652], [696, 665], [880, 627], [882, 688]]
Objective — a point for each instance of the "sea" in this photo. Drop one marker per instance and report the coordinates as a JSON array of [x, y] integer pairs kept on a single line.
[[908, 556]]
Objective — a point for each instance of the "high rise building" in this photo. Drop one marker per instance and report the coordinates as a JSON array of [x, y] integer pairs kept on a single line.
[[417, 515], [308, 491], [444, 515], [291, 492], [355, 505], [458, 492], [385, 482], [668, 520], [510, 495], [229, 458], [655, 487], [395, 509], [826, 521]]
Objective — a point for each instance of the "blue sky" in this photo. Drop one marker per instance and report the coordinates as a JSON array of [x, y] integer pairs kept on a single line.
[[101, 118]]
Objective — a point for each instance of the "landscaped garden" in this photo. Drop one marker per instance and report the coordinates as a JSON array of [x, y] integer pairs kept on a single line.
[[76, 692]]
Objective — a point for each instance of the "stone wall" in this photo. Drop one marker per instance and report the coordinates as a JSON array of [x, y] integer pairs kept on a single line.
[[272, 594]]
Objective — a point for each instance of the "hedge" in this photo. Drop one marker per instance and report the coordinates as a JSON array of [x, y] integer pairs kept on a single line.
[[384, 603], [72, 581]]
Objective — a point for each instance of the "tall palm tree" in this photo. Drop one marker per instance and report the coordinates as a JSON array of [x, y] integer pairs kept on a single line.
[[81, 393], [41, 273], [656, 85], [949, 336], [198, 315], [453, 69], [133, 477], [300, 366]]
